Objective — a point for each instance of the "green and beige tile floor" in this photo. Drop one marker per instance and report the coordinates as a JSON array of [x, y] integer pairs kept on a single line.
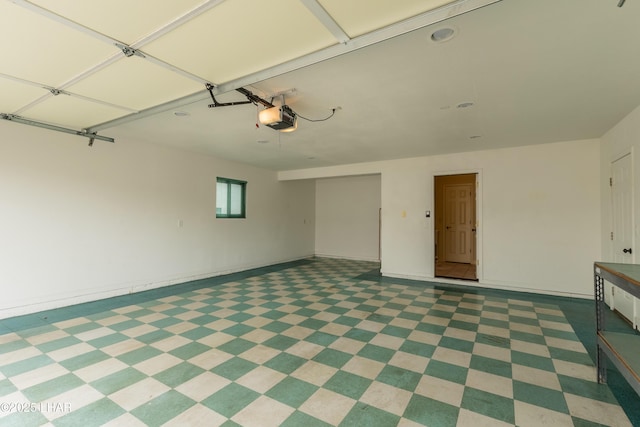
[[319, 342]]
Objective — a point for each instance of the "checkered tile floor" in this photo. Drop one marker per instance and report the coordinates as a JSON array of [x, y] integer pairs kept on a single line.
[[311, 345]]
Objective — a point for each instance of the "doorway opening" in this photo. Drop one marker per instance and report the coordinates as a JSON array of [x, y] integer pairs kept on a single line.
[[455, 226]]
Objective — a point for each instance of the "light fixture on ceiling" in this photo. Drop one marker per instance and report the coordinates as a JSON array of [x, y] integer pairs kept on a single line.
[[280, 118], [292, 128], [443, 34]]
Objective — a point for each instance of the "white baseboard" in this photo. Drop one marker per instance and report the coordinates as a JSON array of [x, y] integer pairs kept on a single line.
[[487, 285], [347, 257], [58, 301]]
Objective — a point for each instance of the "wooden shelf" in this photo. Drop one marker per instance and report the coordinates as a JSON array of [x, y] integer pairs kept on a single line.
[[621, 348]]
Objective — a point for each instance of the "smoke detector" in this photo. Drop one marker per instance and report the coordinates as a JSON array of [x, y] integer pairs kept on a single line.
[[443, 34]]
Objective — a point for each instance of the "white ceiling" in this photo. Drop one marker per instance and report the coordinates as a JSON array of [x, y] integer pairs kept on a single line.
[[536, 72]]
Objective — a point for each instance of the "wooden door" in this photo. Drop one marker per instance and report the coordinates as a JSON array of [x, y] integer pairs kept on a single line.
[[458, 222]]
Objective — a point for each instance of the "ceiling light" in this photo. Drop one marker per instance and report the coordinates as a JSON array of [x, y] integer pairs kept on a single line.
[[291, 128], [281, 118], [269, 115], [442, 35]]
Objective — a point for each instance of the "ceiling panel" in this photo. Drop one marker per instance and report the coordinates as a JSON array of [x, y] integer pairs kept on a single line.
[[357, 17], [16, 95], [51, 55], [72, 112], [139, 84], [124, 20], [241, 37]]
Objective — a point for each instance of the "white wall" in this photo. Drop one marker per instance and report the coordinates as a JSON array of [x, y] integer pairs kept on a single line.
[[347, 217], [622, 139], [539, 214], [80, 223]]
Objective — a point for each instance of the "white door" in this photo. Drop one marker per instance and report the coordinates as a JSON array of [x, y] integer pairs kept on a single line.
[[457, 211], [622, 229]]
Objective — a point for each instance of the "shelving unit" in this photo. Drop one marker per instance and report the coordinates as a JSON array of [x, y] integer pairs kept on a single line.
[[622, 349]]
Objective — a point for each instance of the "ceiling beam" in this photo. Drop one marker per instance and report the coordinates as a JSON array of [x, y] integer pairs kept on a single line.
[[440, 14], [91, 135], [52, 91], [327, 20]]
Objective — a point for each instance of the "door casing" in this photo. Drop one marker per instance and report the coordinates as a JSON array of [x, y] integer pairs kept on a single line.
[[474, 177], [622, 226]]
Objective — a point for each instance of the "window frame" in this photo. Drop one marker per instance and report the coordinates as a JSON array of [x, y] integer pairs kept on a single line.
[[243, 195]]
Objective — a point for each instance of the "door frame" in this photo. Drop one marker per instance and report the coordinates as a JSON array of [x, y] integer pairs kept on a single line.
[[479, 220], [627, 309]]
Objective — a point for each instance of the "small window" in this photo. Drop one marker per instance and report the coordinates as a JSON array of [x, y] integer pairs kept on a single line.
[[230, 198]]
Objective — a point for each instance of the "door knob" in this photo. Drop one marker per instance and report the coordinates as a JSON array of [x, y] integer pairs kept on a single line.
[[627, 251]]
